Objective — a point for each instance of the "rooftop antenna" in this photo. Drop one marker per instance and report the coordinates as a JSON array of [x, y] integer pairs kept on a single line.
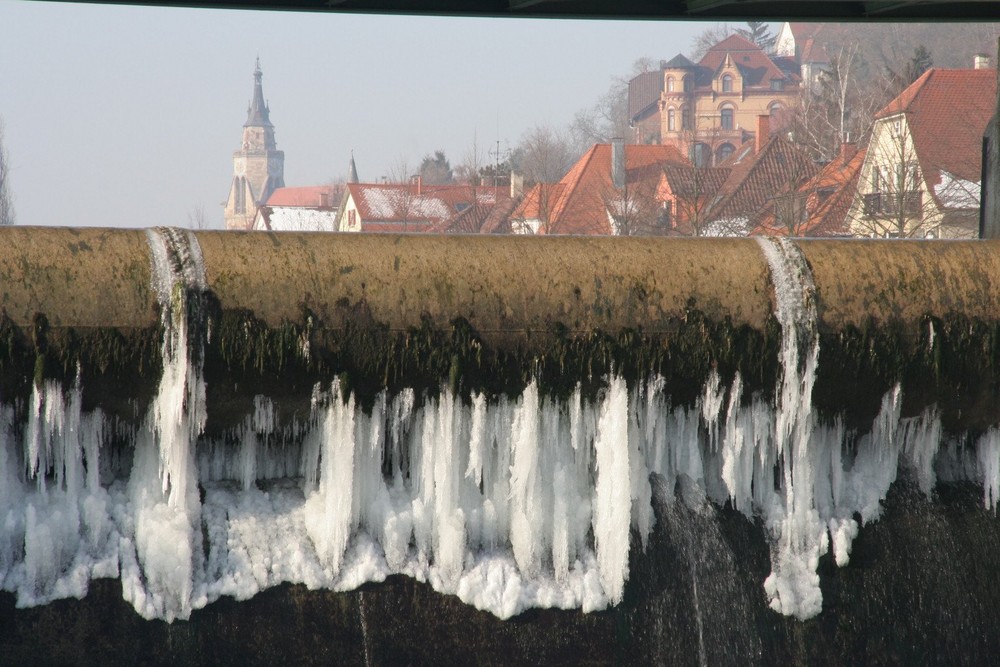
[[497, 153]]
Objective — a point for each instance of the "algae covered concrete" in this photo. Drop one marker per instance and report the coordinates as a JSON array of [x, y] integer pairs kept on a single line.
[[284, 311]]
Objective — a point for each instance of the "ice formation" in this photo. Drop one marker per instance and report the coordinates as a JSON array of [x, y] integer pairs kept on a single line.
[[506, 503]]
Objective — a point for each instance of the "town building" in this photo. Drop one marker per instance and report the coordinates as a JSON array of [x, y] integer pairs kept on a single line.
[[733, 199], [258, 165], [819, 207], [412, 207], [804, 43], [709, 108], [610, 190], [302, 209], [922, 171]]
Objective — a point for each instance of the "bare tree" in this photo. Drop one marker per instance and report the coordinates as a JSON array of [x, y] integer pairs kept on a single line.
[[708, 38], [634, 210], [693, 194], [399, 171], [608, 117], [196, 217], [892, 199], [543, 155], [840, 106], [6, 197]]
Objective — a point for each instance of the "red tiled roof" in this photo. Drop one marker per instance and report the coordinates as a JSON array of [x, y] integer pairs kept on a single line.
[[389, 205], [757, 69], [577, 204], [802, 31], [827, 197], [314, 196], [755, 180], [691, 181], [947, 112]]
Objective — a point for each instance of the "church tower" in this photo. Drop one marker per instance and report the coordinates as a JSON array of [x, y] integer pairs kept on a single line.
[[258, 166]]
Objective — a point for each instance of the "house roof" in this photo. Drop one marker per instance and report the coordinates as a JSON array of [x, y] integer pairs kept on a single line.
[[644, 92], [947, 111], [756, 68], [480, 218], [691, 181], [827, 198], [314, 196], [577, 204], [678, 62], [388, 205], [754, 180]]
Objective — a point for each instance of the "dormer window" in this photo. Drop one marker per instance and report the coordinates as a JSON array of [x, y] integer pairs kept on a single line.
[[777, 84], [727, 83]]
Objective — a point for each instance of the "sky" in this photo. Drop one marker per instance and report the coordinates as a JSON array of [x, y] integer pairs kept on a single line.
[[129, 116]]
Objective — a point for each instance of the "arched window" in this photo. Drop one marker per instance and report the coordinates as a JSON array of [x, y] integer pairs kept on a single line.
[[723, 152], [688, 84], [240, 205], [727, 118], [671, 120], [727, 83], [670, 84]]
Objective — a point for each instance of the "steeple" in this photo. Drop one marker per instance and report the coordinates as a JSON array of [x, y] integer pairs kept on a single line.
[[352, 171], [258, 165], [257, 112]]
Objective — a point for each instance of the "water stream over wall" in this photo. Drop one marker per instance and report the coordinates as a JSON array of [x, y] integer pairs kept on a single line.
[[507, 503]]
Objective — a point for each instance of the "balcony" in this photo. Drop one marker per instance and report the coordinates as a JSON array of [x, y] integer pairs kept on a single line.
[[890, 204]]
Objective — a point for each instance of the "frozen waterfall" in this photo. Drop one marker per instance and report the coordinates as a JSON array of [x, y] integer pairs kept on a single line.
[[506, 502]]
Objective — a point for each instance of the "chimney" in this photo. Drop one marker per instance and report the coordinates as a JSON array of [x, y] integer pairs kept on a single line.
[[324, 199], [618, 162], [516, 185], [847, 151], [982, 61], [763, 130]]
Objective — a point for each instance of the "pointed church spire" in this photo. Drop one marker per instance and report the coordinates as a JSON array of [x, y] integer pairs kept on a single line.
[[257, 113], [352, 171]]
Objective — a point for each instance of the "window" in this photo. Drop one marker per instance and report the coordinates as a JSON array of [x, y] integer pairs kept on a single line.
[[777, 84], [775, 108], [723, 152], [352, 218], [241, 202], [688, 84], [685, 118], [727, 118], [671, 119], [670, 84], [727, 83]]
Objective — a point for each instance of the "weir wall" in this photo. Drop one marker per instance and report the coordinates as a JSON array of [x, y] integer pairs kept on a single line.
[[284, 311]]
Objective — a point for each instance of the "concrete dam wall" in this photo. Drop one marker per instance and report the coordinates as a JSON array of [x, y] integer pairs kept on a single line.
[[703, 450]]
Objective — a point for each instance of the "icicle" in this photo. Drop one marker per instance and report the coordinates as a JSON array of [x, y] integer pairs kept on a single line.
[[167, 538], [612, 503], [801, 538]]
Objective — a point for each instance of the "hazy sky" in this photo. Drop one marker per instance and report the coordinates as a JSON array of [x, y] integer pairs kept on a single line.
[[128, 116]]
